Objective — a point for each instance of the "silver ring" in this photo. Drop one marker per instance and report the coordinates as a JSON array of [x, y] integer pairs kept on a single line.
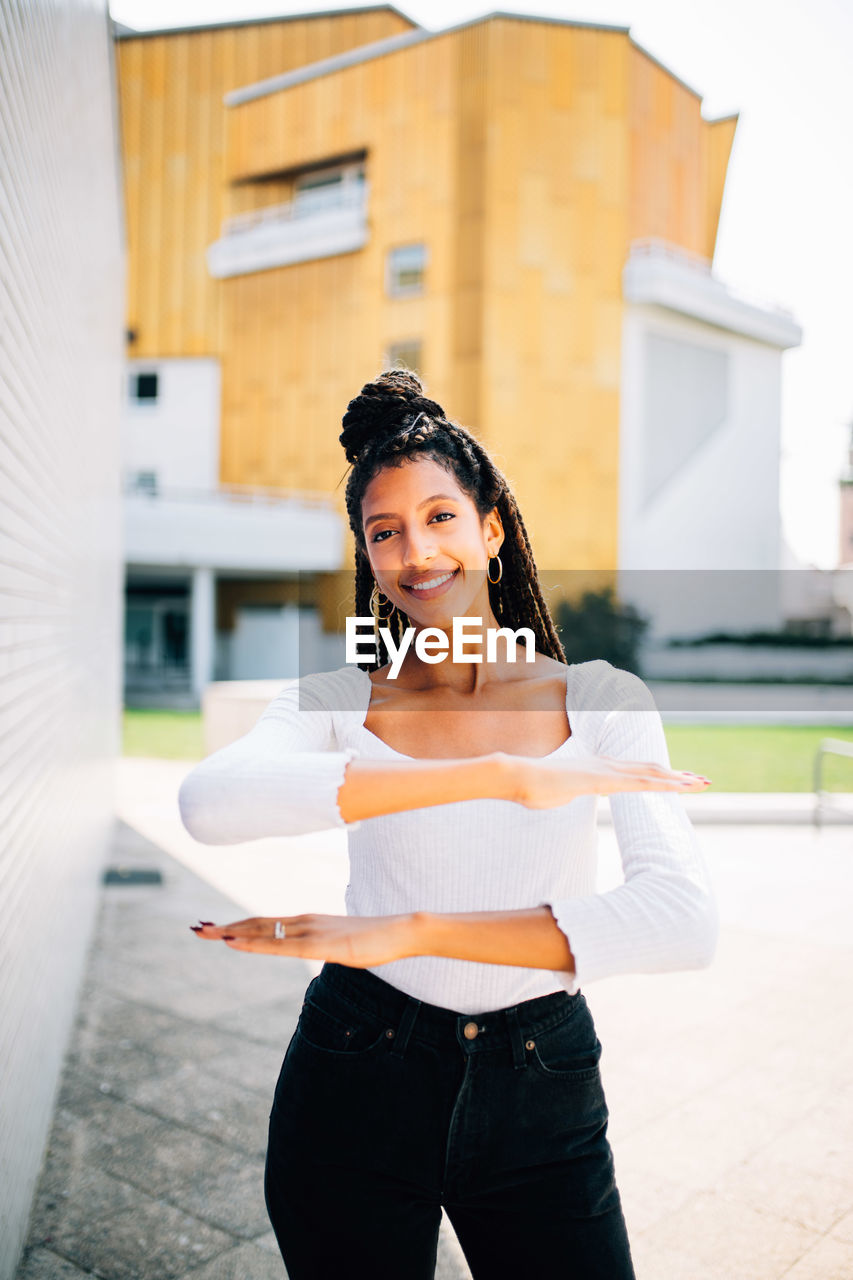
[[279, 929]]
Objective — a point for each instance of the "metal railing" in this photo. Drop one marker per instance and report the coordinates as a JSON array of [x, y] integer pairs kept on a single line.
[[835, 747], [350, 195], [251, 494], [653, 247]]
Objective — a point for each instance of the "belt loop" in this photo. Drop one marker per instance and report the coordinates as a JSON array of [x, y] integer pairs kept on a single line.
[[519, 1057], [404, 1030]]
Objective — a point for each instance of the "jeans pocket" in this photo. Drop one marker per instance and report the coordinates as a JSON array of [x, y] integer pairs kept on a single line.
[[331, 1024], [569, 1050]]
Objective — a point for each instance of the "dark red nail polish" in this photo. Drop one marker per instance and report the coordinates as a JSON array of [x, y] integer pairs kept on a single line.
[[205, 922], [228, 937], [196, 928]]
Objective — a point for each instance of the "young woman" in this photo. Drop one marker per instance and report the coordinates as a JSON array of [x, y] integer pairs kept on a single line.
[[445, 1055]]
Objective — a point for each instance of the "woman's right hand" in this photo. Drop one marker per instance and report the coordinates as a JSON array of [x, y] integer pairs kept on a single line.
[[546, 784]]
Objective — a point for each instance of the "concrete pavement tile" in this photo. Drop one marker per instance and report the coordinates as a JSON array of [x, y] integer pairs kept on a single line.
[[197, 994], [43, 1264], [829, 1259], [198, 1175], [820, 1142], [115, 1062], [815, 1200], [450, 1263], [107, 1225], [267, 1242], [843, 1229], [97, 1141], [273, 1023], [698, 1140], [246, 1262], [648, 1081], [635, 1098], [646, 1197], [791, 1078], [209, 1105], [104, 1014], [710, 1238], [81, 1093], [746, 963], [254, 1066], [259, 979], [196, 1040]]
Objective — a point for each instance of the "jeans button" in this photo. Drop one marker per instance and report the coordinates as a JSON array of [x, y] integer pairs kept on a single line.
[[470, 1030], [528, 1044]]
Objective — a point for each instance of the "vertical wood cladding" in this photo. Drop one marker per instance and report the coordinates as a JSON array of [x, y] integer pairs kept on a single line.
[[173, 143], [526, 155], [61, 287]]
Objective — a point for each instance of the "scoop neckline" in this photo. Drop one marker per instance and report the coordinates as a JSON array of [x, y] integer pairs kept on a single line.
[[403, 755]]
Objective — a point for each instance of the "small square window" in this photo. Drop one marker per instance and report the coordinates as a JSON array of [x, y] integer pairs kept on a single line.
[[406, 355], [145, 387], [143, 482], [405, 267]]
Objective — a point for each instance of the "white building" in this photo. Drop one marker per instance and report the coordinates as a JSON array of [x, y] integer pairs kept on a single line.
[[700, 540], [61, 317], [184, 533]]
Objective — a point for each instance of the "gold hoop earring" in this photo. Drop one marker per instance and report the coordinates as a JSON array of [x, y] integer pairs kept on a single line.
[[500, 570], [375, 605]]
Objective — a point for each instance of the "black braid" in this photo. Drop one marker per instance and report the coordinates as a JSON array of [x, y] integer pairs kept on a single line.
[[392, 420]]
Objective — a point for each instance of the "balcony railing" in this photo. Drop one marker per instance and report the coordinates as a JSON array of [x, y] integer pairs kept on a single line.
[[306, 204], [654, 249], [251, 528], [317, 223], [246, 494]]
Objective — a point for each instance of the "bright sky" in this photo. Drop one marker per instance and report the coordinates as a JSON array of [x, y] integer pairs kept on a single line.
[[785, 227]]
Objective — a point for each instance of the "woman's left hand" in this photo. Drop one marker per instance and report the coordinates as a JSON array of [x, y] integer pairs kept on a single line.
[[358, 941]]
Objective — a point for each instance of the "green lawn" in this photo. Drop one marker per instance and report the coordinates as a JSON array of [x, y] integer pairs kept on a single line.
[[759, 757], [734, 757], [169, 735]]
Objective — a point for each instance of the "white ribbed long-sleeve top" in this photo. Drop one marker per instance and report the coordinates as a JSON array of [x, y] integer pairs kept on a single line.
[[282, 779]]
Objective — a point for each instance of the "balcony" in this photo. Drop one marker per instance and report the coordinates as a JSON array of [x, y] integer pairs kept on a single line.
[[243, 529], [661, 274], [317, 223]]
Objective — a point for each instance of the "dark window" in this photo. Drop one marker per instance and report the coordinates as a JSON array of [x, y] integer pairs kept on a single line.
[[143, 482], [145, 386]]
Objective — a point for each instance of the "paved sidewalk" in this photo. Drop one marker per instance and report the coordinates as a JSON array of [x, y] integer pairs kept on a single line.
[[154, 1168], [730, 1089]]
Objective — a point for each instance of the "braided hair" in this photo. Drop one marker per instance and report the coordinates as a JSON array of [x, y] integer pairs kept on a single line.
[[392, 420]]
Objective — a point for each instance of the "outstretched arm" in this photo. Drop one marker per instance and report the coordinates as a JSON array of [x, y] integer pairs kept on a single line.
[[529, 937]]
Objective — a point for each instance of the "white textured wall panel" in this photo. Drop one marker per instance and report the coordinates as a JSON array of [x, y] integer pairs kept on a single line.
[[61, 317]]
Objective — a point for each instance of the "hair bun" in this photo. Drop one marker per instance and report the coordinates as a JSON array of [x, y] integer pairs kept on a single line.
[[381, 408]]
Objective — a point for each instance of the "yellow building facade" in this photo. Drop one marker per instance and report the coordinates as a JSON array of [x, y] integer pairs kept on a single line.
[[525, 155], [523, 209], [172, 86]]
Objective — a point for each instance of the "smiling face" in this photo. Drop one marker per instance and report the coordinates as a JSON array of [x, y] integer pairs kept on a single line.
[[420, 526]]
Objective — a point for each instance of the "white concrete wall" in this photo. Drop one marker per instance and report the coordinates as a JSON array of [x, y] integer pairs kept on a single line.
[[176, 437], [232, 532], [61, 316], [718, 506]]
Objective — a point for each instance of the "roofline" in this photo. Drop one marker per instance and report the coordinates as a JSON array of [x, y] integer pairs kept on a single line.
[[127, 33], [732, 115], [390, 44], [651, 57]]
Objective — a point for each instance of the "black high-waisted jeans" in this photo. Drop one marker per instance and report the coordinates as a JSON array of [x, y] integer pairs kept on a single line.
[[388, 1108]]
